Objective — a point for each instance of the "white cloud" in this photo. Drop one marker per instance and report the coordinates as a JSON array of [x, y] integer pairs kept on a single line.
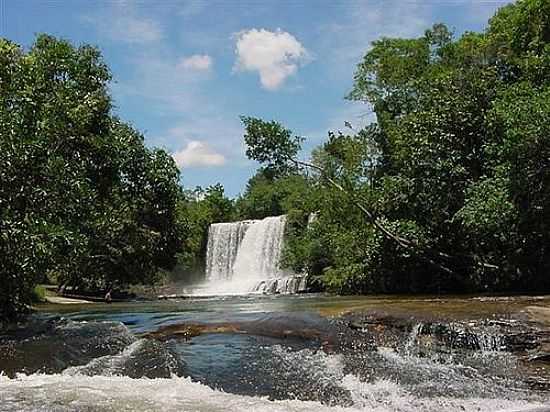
[[122, 22], [199, 62], [132, 29], [209, 125], [158, 79], [198, 154], [274, 55]]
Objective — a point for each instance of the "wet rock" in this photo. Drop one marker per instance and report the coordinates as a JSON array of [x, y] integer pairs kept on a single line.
[[520, 342], [284, 285], [142, 359], [187, 331], [481, 335], [376, 319], [53, 345], [539, 315], [541, 353], [538, 383], [293, 325], [539, 357]]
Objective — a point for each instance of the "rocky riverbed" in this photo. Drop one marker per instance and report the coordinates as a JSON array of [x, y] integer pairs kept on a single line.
[[283, 353]]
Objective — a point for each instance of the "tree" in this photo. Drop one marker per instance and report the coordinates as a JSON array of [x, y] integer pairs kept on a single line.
[[271, 144], [197, 210], [448, 191], [82, 200]]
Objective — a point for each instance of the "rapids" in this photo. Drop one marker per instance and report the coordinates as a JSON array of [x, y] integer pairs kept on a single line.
[[278, 353]]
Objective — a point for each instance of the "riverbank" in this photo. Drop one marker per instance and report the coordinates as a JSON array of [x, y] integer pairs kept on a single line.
[[53, 296], [59, 300]]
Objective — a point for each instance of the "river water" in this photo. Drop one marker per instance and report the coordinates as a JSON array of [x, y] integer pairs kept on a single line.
[[278, 353]]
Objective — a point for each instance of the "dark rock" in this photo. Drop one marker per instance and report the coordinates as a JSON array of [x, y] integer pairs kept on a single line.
[[53, 345]]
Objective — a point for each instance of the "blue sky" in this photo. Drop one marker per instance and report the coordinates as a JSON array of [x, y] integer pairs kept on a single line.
[[184, 71]]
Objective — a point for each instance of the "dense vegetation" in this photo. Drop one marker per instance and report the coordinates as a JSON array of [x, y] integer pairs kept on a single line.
[[82, 201], [196, 211], [450, 189]]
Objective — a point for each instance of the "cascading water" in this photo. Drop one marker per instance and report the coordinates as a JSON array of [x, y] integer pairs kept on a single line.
[[223, 243], [244, 257], [231, 354], [260, 250]]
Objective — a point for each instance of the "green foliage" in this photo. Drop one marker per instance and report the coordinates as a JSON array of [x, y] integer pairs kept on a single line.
[[391, 67], [265, 196], [196, 212], [520, 29], [271, 144], [278, 186], [487, 209], [38, 294], [81, 198], [448, 191], [457, 166]]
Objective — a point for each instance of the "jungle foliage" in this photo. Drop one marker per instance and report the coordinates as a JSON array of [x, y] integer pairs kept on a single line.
[[83, 202], [449, 191], [196, 211]]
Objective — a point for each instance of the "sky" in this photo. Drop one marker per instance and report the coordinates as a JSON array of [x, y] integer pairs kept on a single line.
[[185, 70]]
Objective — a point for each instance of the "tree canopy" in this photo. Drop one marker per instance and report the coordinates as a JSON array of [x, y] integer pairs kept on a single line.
[[83, 202], [449, 189]]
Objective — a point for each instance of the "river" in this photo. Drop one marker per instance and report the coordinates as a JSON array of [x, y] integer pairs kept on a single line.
[[280, 353]]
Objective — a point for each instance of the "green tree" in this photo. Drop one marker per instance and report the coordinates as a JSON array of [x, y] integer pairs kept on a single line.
[[271, 144], [197, 210], [82, 200], [449, 190]]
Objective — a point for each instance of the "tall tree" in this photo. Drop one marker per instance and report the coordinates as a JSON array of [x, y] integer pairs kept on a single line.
[[82, 200]]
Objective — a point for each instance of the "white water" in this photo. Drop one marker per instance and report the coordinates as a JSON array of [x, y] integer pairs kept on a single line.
[[108, 365], [224, 240], [436, 387], [244, 257], [260, 251], [289, 284], [117, 393]]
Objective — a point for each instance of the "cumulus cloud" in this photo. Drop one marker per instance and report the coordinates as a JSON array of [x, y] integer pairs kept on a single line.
[[199, 62], [274, 55], [198, 154]]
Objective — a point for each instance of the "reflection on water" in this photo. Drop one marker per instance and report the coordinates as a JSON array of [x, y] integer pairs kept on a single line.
[[147, 316], [275, 353]]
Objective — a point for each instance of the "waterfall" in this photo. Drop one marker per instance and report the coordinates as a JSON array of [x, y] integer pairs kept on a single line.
[[221, 251], [259, 253], [289, 284], [244, 257]]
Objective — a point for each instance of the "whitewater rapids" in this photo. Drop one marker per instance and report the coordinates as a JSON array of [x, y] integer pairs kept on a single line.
[[101, 393], [110, 390]]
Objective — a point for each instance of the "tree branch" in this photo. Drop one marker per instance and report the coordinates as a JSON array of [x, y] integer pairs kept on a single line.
[[378, 224]]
